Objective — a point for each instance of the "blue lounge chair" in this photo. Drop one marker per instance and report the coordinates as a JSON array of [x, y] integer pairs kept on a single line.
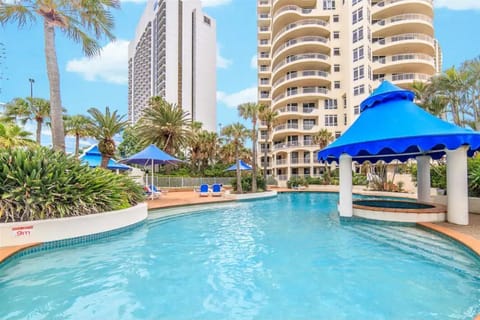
[[217, 190], [204, 190], [152, 192]]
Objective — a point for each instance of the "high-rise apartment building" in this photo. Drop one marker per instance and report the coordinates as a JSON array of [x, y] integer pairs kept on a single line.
[[318, 59], [173, 56]]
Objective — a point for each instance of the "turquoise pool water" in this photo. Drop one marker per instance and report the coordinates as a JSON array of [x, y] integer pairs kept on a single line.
[[283, 258]]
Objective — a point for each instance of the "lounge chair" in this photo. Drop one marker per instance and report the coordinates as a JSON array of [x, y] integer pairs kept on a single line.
[[204, 190], [217, 190], [152, 192]]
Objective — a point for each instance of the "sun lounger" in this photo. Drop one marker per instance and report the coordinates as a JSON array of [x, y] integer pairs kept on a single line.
[[152, 193], [217, 190], [204, 190]]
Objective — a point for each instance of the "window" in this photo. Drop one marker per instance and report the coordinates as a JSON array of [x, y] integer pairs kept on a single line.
[[331, 120], [336, 84], [344, 101], [336, 18], [338, 134], [357, 34], [330, 104], [206, 20], [357, 15], [358, 53], [264, 41], [336, 34], [292, 91], [345, 119], [336, 51], [358, 73], [328, 4], [358, 90], [308, 107], [264, 94], [308, 124], [263, 67], [264, 81], [336, 68], [356, 109], [369, 73], [263, 54], [354, 2]]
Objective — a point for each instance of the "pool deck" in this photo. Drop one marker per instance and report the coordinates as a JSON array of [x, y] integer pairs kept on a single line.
[[468, 235]]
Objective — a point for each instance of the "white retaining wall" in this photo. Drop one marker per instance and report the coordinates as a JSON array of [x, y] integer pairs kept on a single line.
[[19, 233], [473, 203]]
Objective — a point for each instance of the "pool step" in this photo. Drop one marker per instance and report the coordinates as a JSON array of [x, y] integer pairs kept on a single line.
[[434, 249]]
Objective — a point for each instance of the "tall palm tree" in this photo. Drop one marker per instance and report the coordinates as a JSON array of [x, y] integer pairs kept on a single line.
[[236, 134], [103, 127], [268, 116], [450, 85], [75, 19], [12, 135], [165, 125], [79, 127], [471, 68], [29, 109], [323, 138], [250, 111], [428, 99]]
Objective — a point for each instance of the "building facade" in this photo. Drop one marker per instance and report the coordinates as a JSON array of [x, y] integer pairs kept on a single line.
[[173, 55], [319, 59]]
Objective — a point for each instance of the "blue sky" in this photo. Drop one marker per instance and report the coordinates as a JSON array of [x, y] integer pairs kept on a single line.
[[103, 81]]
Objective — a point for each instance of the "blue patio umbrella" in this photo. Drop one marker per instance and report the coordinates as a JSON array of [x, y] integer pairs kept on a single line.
[[93, 158], [243, 166], [152, 155]]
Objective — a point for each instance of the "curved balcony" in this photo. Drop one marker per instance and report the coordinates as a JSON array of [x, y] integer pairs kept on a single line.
[[403, 23], [404, 80], [294, 145], [412, 42], [298, 28], [307, 92], [288, 112], [300, 45], [421, 63], [306, 59], [280, 3], [389, 7], [288, 14], [303, 78]]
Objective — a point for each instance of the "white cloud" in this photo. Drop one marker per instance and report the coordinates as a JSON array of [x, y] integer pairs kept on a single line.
[[109, 66], [253, 62], [458, 4], [232, 100], [222, 62]]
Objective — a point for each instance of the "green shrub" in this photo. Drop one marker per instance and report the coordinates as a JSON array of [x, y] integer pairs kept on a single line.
[[247, 183], [296, 181], [41, 184], [359, 179]]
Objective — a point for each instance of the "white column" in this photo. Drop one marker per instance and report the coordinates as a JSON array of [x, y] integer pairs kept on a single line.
[[457, 186], [345, 203], [423, 178]]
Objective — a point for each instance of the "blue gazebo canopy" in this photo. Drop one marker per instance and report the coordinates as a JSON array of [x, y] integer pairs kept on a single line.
[[392, 127], [93, 158], [242, 165]]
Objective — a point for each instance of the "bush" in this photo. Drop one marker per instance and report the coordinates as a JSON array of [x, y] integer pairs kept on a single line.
[[359, 179], [296, 181], [43, 184], [247, 184]]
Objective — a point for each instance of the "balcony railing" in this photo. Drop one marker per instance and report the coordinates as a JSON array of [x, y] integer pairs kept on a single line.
[[299, 74], [293, 8], [404, 77], [404, 37], [303, 90], [307, 39], [298, 57], [389, 2], [404, 57], [403, 17], [301, 23], [293, 144]]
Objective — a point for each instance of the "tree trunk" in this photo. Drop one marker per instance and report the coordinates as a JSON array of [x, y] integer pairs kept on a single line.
[[254, 162], [39, 132], [239, 176], [58, 134], [77, 144], [265, 157], [104, 162]]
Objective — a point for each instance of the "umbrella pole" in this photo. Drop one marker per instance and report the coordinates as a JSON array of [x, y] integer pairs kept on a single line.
[[151, 185]]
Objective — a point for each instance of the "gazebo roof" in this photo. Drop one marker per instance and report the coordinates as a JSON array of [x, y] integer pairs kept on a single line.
[[93, 157], [392, 127]]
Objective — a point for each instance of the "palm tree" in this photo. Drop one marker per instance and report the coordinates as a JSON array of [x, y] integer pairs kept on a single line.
[[268, 116], [427, 99], [323, 138], [471, 69], [12, 135], [450, 85], [75, 19], [29, 109], [79, 127], [103, 127], [165, 125], [251, 111], [236, 134]]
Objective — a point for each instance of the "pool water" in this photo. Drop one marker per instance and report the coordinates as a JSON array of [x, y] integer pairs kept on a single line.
[[380, 203], [284, 258]]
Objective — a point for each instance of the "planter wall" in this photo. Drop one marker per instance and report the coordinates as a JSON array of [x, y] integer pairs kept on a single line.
[[473, 203], [19, 233]]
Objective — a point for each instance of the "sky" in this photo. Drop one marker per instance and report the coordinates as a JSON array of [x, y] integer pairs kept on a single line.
[[102, 81]]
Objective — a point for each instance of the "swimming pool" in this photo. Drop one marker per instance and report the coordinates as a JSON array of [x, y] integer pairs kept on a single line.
[[282, 258]]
